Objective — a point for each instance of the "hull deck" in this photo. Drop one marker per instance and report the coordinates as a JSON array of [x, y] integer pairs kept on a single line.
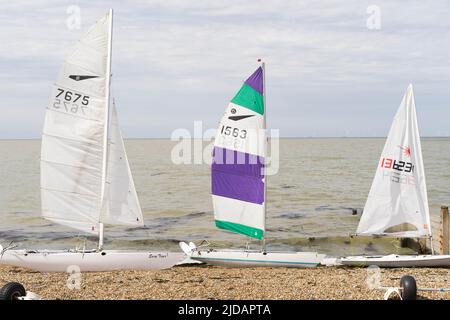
[[398, 261], [230, 258], [106, 260]]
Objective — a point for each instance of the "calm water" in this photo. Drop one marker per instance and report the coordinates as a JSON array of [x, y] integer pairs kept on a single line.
[[310, 200]]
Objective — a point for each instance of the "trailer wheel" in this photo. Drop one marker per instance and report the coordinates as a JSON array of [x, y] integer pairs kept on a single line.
[[12, 291], [408, 288]]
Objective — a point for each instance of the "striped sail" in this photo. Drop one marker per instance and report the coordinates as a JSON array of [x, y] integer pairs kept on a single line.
[[237, 170], [397, 203]]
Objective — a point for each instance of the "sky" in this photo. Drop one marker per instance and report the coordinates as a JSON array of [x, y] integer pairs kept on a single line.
[[333, 68]]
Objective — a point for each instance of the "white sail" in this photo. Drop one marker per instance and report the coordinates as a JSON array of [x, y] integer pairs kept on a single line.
[[74, 156], [121, 205], [397, 203]]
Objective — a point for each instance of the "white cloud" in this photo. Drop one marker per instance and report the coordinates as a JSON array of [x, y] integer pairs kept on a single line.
[[177, 59]]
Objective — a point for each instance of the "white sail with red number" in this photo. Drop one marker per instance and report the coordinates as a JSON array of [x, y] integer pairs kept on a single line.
[[397, 203]]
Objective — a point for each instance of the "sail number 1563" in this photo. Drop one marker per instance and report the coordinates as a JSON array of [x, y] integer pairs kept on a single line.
[[234, 132]]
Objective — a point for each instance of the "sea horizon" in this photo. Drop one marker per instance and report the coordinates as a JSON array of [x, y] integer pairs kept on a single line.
[[286, 138]]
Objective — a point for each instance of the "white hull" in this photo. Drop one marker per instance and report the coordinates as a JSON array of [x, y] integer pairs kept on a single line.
[[106, 260], [398, 261], [231, 258]]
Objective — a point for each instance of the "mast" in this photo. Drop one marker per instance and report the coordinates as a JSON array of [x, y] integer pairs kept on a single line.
[[263, 66], [428, 218], [106, 129]]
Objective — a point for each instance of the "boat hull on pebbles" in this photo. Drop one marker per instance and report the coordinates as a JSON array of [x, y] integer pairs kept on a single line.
[[106, 260], [248, 258], [398, 261]]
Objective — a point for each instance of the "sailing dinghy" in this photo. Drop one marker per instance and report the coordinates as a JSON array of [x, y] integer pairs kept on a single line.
[[397, 204], [239, 183], [86, 180]]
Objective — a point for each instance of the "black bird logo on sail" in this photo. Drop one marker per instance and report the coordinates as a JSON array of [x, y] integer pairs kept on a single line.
[[80, 77], [237, 118]]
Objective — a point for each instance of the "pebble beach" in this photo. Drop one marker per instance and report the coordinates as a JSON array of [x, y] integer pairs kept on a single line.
[[206, 282]]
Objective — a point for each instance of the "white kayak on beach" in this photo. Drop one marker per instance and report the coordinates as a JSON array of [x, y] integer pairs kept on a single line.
[[239, 182], [397, 204], [252, 258], [86, 179]]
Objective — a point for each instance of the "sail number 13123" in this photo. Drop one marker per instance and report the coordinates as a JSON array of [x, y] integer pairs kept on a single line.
[[403, 166]]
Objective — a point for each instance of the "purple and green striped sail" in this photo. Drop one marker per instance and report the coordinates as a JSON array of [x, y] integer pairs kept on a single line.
[[237, 170]]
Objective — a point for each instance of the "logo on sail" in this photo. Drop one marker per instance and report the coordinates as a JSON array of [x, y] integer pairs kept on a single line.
[[237, 118], [406, 149], [80, 78]]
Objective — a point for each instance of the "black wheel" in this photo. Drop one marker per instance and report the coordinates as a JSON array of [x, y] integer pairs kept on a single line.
[[12, 291], [408, 288]]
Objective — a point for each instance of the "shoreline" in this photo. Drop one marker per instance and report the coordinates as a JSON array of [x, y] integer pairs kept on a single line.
[[208, 282]]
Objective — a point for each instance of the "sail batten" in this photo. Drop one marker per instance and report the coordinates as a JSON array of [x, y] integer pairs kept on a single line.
[[73, 116], [72, 192], [397, 204], [88, 143], [237, 169]]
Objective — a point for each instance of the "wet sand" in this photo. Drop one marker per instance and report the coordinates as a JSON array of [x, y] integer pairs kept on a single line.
[[205, 282]]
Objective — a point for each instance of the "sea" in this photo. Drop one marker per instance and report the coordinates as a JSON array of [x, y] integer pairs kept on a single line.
[[314, 201]]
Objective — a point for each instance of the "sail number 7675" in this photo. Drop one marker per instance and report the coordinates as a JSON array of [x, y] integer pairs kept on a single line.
[[69, 101]]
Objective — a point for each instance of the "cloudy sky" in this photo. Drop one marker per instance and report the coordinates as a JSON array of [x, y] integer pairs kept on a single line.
[[334, 68]]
